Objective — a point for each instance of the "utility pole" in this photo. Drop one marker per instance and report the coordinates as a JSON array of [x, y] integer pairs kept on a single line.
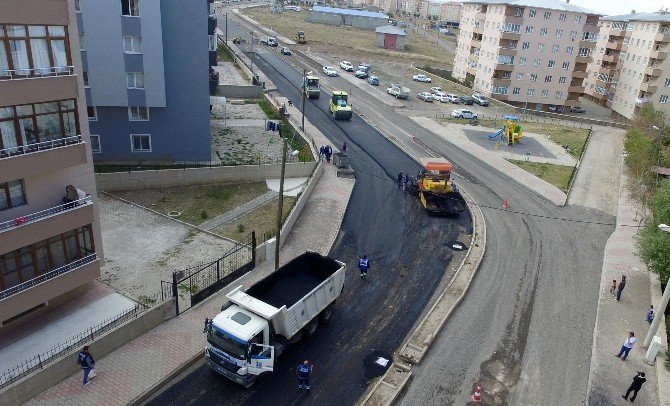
[[226, 28], [281, 202], [251, 60], [304, 84]]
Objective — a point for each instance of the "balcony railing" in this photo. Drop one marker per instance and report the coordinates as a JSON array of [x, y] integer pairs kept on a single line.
[[13, 74], [48, 275], [33, 217], [40, 146]]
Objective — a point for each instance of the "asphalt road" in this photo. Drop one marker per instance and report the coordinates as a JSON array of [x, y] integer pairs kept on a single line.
[[382, 222]]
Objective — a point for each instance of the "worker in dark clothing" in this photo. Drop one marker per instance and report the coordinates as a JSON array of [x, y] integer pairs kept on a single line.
[[401, 176], [635, 386], [364, 265], [304, 371], [344, 147]]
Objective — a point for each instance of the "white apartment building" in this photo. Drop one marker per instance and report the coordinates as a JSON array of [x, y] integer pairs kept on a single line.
[[451, 11], [630, 66], [529, 53]]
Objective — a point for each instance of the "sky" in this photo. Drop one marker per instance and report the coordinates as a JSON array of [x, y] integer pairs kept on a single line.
[[616, 7]]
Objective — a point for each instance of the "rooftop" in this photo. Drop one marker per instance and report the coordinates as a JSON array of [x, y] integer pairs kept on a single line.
[[658, 16], [545, 4], [346, 11], [389, 29]]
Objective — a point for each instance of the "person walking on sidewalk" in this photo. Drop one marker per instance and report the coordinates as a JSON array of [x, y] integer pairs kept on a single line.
[[401, 176], [613, 288], [619, 288], [634, 387], [304, 371], [87, 363], [627, 346], [344, 147], [364, 265], [650, 314], [322, 153]]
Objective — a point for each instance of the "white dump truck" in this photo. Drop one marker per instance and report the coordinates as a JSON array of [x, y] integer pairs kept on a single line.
[[254, 327], [398, 91]]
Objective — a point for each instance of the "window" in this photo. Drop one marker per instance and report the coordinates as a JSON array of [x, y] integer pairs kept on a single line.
[[82, 42], [562, 17], [519, 76], [551, 64], [92, 113], [530, 92], [77, 6], [135, 80], [559, 95], [132, 45], [95, 144], [544, 32], [533, 77], [531, 13], [663, 99], [518, 12], [566, 65], [573, 35], [137, 113], [33, 50], [559, 33], [561, 79], [537, 62], [130, 8], [22, 126], [547, 15], [578, 18], [84, 75], [522, 61], [540, 47], [212, 43], [529, 29], [569, 50], [547, 79], [545, 93], [11, 194], [554, 49], [525, 45], [516, 90], [140, 142], [667, 82]]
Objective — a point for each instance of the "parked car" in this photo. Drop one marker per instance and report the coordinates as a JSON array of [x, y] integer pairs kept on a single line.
[[270, 41], [463, 113], [479, 99], [467, 100], [285, 51], [329, 71], [453, 99], [373, 80], [361, 73], [441, 98], [577, 109], [422, 78], [438, 93], [294, 8], [436, 90], [346, 65], [426, 96]]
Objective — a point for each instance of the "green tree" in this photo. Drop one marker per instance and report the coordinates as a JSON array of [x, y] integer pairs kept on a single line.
[[653, 243]]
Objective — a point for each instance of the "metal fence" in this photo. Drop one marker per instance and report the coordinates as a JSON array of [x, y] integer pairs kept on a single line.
[[525, 118], [77, 341]]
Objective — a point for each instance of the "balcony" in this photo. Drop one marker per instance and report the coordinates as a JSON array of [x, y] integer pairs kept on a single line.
[[583, 58], [653, 71], [579, 74], [27, 86], [659, 54], [576, 89], [616, 46], [662, 36], [50, 285], [513, 35], [33, 227], [44, 157], [609, 58], [20, 74], [648, 87], [504, 66], [478, 29], [606, 70], [507, 51]]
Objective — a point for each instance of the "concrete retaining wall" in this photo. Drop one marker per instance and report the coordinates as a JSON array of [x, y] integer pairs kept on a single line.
[[191, 176], [239, 91], [57, 371], [300, 204]]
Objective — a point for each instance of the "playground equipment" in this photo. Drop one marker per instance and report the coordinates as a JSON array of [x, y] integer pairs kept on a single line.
[[511, 131]]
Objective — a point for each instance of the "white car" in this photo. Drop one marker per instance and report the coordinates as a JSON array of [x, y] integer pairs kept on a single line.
[[438, 93], [294, 8], [442, 98], [346, 65], [436, 90], [422, 78], [463, 113], [426, 96], [329, 71], [453, 98]]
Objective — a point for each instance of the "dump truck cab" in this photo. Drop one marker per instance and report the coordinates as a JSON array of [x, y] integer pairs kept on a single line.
[[311, 86], [300, 37], [339, 106]]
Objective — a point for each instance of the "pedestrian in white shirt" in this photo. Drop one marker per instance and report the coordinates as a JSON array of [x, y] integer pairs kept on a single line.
[[627, 346]]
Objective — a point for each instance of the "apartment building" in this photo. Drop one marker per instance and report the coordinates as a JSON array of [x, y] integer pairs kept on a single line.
[[529, 53], [50, 244], [630, 66], [146, 77], [451, 11]]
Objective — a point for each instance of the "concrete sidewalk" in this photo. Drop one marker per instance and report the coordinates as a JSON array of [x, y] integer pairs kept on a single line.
[[609, 376], [147, 362]]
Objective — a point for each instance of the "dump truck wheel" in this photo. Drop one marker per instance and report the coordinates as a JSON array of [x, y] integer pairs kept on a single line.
[[296, 337], [311, 327], [326, 314]]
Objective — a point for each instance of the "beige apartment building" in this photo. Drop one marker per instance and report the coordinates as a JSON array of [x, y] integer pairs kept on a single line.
[[451, 11], [50, 244], [529, 53], [630, 65]]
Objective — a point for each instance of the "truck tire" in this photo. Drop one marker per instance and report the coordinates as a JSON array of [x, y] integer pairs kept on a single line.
[[326, 314], [311, 327], [296, 337]]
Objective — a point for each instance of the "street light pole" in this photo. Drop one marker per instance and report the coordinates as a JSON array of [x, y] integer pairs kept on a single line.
[[281, 203], [226, 29], [662, 306], [304, 87]]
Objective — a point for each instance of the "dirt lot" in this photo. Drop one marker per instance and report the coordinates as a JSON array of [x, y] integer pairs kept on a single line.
[[263, 220], [196, 203]]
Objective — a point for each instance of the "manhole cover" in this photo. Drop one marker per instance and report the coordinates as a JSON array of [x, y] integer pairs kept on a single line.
[[457, 246], [376, 364], [174, 213]]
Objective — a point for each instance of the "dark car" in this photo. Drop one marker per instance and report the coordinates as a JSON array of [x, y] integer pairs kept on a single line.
[[467, 100], [577, 109]]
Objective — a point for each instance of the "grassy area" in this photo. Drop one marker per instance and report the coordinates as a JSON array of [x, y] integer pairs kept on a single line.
[[263, 220], [417, 47], [557, 175], [267, 107], [196, 203], [224, 55]]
